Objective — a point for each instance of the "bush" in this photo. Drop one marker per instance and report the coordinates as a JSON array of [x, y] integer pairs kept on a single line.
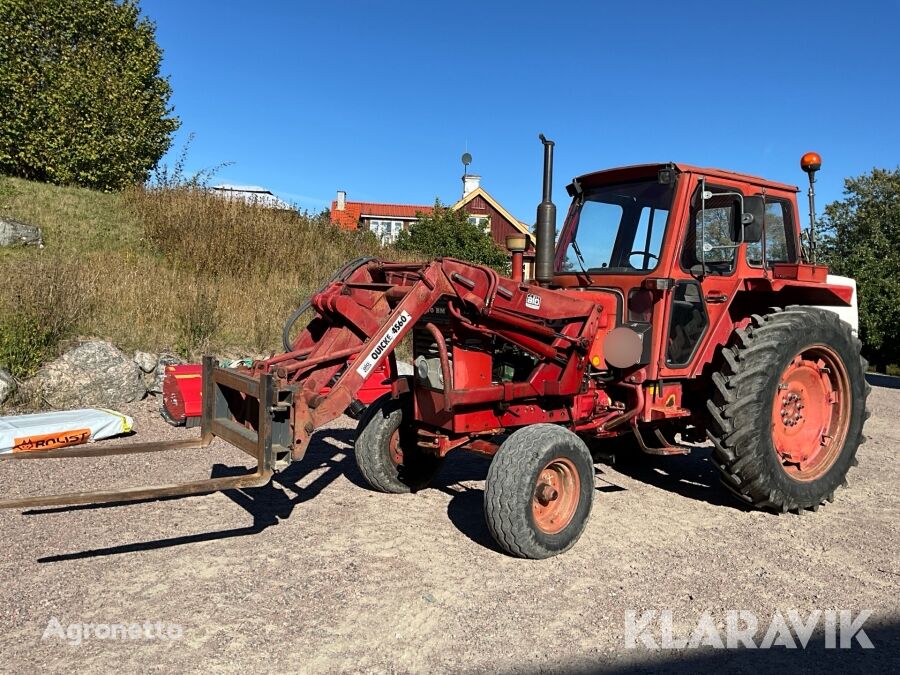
[[858, 232], [197, 320], [44, 302], [448, 233], [81, 97]]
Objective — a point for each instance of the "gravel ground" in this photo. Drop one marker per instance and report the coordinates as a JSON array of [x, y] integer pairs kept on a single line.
[[317, 573]]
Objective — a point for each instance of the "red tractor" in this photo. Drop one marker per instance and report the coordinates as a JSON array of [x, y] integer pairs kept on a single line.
[[678, 305]]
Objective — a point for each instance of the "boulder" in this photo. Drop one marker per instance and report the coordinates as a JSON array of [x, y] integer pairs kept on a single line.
[[93, 373], [155, 379], [146, 361], [7, 386], [14, 232]]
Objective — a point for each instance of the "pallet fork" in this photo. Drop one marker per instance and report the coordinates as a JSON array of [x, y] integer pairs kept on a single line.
[[221, 388]]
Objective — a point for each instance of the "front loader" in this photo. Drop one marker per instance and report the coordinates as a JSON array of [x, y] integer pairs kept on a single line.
[[678, 306]]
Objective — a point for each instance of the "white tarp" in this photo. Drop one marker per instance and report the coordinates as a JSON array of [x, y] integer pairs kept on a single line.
[[46, 431]]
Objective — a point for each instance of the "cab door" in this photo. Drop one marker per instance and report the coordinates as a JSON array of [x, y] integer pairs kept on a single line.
[[707, 267]]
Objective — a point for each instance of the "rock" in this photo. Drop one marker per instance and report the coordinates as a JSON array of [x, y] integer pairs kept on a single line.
[[14, 232], [7, 386], [93, 373], [146, 361], [155, 379]]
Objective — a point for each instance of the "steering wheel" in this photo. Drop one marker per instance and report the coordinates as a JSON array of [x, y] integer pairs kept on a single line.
[[643, 253]]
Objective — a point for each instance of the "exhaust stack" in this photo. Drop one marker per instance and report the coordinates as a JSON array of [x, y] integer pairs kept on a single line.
[[545, 226]]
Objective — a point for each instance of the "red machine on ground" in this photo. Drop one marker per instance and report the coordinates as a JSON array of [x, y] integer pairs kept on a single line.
[[678, 306], [182, 393]]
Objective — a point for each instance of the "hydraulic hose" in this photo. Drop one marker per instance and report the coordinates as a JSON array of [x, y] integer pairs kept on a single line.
[[340, 275]]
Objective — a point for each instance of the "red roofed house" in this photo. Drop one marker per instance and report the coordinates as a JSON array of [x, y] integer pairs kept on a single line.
[[487, 212], [387, 220]]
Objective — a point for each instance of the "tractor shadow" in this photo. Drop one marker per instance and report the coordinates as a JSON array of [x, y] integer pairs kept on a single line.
[[887, 381], [692, 476], [329, 456], [466, 506]]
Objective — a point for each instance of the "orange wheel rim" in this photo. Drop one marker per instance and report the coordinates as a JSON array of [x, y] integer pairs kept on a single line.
[[811, 413], [556, 495], [394, 449]]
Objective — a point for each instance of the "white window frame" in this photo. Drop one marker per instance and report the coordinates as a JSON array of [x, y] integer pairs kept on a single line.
[[386, 229]]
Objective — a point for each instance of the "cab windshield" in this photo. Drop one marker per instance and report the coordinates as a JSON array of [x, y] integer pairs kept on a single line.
[[617, 228]]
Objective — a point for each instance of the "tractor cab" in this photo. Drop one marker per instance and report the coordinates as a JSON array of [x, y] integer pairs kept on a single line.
[[680, 246]]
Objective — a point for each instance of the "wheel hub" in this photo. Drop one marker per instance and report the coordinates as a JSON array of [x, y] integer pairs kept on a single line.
[[810, 412], [556, 495], [396, 452]]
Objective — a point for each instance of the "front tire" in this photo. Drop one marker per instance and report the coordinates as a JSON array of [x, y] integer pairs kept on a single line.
[[787, 413], [386, 451], [539, 491]]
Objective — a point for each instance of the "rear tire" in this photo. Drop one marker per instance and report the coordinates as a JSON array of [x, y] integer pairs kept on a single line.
[[788, 409], [539, 491], [386, 451]]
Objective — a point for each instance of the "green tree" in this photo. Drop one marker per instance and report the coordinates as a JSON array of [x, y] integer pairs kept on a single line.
[[861, 237], [448, 233], [81, 97]]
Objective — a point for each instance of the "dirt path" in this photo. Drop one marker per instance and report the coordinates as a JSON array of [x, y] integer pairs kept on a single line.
[[317, 573]]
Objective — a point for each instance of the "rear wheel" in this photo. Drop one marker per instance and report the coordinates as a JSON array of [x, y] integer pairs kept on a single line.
[[788, 409], [386, 451], [539, 491]]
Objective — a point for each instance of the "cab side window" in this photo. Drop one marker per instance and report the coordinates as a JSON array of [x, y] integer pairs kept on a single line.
[[779, 236], [709, 233]]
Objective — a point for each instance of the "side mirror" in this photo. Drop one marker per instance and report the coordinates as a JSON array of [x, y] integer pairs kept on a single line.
[[746, 226], [753, 218]]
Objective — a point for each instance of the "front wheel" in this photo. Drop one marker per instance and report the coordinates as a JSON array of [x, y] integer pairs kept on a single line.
[[386, 451], [539, 491], [788, 409]]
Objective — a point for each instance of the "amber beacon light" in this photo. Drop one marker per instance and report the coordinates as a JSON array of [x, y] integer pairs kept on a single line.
[[811, 162]]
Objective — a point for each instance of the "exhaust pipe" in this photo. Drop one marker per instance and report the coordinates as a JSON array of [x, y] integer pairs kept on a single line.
[[545, 225]]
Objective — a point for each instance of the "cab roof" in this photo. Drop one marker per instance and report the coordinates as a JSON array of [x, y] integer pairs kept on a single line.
[[637, 171]]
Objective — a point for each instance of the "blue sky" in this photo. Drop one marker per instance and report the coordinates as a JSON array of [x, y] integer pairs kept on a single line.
[[381, 99]]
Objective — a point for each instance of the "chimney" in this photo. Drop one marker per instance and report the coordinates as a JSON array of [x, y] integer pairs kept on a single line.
[[470, 183], [341, 200]]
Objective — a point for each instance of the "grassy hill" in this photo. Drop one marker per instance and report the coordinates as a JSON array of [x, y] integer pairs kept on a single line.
[[170, 269]]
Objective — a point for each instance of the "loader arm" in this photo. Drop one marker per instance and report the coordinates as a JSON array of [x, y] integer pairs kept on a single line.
[[271, 410], [368, 314]]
